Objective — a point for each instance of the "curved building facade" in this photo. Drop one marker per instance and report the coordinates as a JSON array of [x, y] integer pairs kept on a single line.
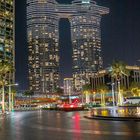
[[43, 41], [43, 45]]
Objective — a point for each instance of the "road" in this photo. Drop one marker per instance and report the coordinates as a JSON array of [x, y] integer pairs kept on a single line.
[[52, 125]]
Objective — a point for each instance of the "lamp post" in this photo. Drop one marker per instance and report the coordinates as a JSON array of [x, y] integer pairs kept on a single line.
[[69, 91], [94, 97], [113, 92], [119, 94], [11, 103], [113, 97]]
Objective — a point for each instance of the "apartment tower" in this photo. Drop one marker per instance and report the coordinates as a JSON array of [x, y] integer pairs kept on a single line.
[[7, 36], [43, 41]]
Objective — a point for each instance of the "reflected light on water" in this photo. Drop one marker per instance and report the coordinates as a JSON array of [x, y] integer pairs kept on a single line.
[[138, 111], [76, 119], [95, 112], [117, 112], [104, 112], [121, 111]]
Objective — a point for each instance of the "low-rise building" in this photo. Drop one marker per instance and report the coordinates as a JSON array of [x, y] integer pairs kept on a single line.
[[103, 77]]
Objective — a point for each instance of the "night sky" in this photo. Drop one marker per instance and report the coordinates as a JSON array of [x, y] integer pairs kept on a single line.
[[120, 37]]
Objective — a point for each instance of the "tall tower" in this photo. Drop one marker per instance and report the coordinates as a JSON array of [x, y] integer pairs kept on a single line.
[[43, 41], [7, 39], [43, 36], [86, 40]]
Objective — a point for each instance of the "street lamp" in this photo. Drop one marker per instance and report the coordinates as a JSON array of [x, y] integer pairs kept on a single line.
[[120, 97], [113, 97], [69, 90], [11, 103], [113, 92]]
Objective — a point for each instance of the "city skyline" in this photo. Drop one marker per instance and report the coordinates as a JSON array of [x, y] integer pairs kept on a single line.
[[116, 34]]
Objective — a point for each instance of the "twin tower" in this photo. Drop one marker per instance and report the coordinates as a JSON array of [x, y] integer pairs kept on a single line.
[[43, 41]]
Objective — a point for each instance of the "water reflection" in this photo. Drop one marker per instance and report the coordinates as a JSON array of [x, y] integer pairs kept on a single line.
[[54, 125], [76, 119], [117, 112]]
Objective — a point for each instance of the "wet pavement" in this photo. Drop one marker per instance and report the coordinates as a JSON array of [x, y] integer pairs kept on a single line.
[[55, 125]]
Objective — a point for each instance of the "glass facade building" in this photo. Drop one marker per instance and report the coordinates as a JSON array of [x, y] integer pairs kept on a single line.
[[7, 43], [43, 41], [43, 47], [86, 40]]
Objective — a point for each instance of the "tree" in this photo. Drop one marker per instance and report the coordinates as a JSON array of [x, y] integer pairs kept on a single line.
[[13, 96], [135, 89], [102, 89], [87, 91], [5, 69], [118, 69], [123, 90], [29, 93], [59, 91], [87, 87]]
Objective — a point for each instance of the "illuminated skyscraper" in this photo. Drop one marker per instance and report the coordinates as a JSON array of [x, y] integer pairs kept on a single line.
[[86, 40], [43, 41], [43, 47], [7, 46]]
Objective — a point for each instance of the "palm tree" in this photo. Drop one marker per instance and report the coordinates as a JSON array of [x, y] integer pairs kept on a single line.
[[59, 91], [87, 91], [13, 93], [29, 93], [123, 91], [102, 89], [118, 69], [135, 89], [5, 69]]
